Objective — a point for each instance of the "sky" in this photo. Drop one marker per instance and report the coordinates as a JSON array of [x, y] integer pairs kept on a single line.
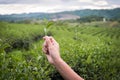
[[51, 6]]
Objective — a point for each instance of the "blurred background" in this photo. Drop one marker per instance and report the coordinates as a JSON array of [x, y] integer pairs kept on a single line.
[[88, 32]]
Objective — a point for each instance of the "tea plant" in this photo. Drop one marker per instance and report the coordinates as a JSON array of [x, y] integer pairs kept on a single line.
[[93, 54], [47, 27]]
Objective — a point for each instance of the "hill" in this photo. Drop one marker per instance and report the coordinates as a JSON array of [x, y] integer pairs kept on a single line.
[[107, 13]]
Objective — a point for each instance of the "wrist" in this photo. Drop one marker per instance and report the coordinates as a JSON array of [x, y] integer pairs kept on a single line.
[[58, 61]]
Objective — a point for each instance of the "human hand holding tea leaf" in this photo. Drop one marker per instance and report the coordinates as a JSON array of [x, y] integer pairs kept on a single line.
[[51, 49]]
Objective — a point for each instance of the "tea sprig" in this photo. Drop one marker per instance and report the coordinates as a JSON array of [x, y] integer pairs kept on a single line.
[[48, 25]]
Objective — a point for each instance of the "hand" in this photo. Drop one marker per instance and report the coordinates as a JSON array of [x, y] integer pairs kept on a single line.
[[51, 49]]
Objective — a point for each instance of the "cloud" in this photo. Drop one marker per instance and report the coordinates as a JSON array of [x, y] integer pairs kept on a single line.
[[87, 1], [27, 6], [101, 3], [29, 1]]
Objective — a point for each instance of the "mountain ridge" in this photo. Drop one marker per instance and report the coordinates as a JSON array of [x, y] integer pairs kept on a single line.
[[107, 13]]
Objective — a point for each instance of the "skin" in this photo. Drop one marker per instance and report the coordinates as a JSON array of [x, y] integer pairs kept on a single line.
[[51, 50]]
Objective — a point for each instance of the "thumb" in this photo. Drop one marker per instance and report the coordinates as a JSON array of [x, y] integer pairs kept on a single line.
[[48, 41]]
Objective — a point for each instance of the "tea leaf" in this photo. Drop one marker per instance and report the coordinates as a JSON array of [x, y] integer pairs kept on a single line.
[[50, 23]]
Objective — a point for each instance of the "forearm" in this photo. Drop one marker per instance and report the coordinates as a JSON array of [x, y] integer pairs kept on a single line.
[[51, 48], [65, 70]]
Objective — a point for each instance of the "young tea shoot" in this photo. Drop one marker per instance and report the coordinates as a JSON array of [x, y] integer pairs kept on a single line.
[[47, 26]]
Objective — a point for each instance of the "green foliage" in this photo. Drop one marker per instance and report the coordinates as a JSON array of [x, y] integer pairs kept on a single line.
[[48, 24], [93, 52], [90, 18]]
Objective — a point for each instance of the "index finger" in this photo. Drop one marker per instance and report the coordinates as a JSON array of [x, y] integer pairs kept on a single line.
[[45, 37], [48, 42]]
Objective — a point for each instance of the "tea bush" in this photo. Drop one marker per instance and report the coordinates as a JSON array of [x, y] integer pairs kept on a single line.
[[93, 52]]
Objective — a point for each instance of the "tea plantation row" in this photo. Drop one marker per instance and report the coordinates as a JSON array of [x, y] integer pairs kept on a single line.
[[91, 49]]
